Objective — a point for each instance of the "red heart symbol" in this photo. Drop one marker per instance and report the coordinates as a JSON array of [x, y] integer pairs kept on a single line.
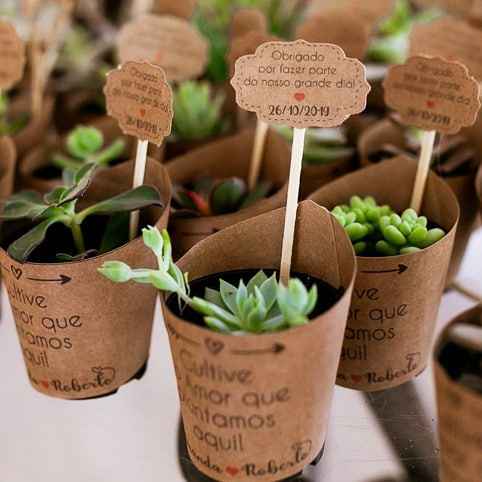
[[430, 104], [232, 471], [142, 112], [44, 383], [356, 378], [299, 96]]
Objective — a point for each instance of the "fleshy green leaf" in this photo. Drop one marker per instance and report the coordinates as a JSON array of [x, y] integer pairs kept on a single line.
[[84, 141], [116, 271], [257, 280], [226, 197], [228, 295], [21, 249], [116, 232], [26, 204]]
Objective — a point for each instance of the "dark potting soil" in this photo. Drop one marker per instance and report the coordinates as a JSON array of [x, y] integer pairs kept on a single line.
[[59, 237], [462, 364], [327, 294]]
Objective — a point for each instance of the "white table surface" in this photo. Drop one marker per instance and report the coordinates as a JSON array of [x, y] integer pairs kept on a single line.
[[133, 436]]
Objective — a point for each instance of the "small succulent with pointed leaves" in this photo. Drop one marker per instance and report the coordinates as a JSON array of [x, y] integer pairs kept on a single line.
[[322, 146], [85, 145], [10, 126], [262, 305], [59, 207], [198, 113], [378, 230], [209, 197]]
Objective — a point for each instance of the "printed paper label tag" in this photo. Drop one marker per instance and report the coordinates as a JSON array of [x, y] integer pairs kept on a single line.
[[12, 56], [301, 84], [340, 27], [170, 42], [433, 94], [139, 97], [451, 39]]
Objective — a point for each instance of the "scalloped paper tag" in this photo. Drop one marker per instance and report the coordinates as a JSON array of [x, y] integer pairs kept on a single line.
[[300, 84], [433, 94], [140, 99], [170, 42], [12, 56]]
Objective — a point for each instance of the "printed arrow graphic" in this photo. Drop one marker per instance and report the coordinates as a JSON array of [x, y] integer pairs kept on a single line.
[[401, 269], [62, 279], [276, 348]]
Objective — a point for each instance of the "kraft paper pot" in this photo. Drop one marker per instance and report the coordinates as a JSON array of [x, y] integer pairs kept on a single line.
[[256, 407], [459, 412], [35, 171], [35, 131], [222, 159], [388, 132], [396, 298], [82, 336], [8, 157]]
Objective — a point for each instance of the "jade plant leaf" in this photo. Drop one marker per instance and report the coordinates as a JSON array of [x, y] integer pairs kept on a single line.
[[84, 141]]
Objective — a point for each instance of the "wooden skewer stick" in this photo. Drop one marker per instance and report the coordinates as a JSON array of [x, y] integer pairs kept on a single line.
[[292, 203], [139, 173], [424, 163], [257, 154]]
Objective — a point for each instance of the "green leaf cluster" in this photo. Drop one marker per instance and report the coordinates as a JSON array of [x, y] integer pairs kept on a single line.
[[59, 207], [198, 113], [260, 306], [377, 230], [322, 146], [85, 145], [209, 197]]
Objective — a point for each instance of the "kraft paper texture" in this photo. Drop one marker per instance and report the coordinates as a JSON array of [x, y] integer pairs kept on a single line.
[[34, 132], [82, 335], [459, 412], [396, 298], [387, 132], [222, 159], [264, 415]]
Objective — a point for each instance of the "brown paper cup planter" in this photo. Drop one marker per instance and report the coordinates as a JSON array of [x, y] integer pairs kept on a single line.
[[459, 405], [80, 336], [396, 298], [256, 407], [35, 131], [223, 159], [35, 171], [388, 132]]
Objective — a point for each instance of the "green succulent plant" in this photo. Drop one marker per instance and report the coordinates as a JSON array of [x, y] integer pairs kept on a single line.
[[210, 197], [198, 112], [322, 146], [378, 230], [85, 145], [262, 305], [9, 126], [59, 207], [390, 45]]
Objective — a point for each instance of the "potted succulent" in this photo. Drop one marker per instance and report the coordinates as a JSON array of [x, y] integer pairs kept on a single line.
[[248, 351], [403, 258], [225, 160], [42, 168], [328, 154], [52, 246], [458, 381], [456, 160], [198, 117]]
